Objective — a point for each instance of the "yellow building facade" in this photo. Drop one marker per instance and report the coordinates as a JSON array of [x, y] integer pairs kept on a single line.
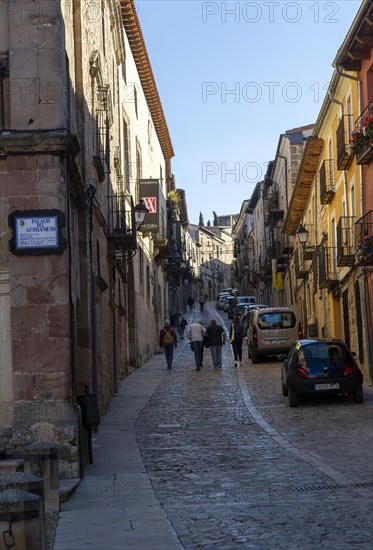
[[324, 207]]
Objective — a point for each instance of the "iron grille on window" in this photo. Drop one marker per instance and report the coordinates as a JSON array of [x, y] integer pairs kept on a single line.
[[344, 156], [327, 189], [346, 241], [327, 267]]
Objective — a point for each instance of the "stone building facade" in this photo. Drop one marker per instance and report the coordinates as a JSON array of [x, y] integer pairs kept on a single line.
[[82, 132]]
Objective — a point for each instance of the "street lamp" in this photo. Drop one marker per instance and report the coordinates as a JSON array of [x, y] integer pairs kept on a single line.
[[302, 235], [140, 214]]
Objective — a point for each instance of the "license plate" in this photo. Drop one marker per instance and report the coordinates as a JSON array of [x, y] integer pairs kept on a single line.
[[334, 386]]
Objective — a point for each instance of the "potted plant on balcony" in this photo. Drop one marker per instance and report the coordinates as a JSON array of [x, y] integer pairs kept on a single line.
[[364, 249], [357, 141], [174, 199], [361, 136]]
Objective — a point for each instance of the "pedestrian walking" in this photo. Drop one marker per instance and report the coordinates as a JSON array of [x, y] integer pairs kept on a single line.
[[236, 339], [202, 300], [216, 338], [196, 333], [190, 303], [168, 341], [181, 328]]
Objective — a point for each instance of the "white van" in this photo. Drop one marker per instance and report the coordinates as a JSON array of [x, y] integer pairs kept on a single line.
[[272, 331]]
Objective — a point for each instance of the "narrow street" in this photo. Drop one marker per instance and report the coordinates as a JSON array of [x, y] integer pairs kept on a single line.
[[234, 467]]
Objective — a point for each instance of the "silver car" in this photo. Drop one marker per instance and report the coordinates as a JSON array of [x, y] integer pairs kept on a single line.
[[272, 331]]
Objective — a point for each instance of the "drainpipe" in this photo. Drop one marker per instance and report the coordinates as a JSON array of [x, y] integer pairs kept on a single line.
[[366, 300], [76, 407], [344, 171], [345, 75], [287, 205], [113, 316], [2, 122], [80, 110], [90, 192]]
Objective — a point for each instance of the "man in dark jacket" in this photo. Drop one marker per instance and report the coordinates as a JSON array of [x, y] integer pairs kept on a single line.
[[216, 336]]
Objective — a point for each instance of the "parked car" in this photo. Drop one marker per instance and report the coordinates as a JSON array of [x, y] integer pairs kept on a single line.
[[221, 300], [272, 331], [248, 308], [230, 303], [246, 300], [229, 290], [318, 367]]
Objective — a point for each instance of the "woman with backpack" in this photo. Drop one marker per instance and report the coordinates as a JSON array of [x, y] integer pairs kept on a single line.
[[168, 341]]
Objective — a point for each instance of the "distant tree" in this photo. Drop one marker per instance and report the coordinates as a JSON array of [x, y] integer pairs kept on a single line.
[[215, 220], [201, 222], [208, 223]]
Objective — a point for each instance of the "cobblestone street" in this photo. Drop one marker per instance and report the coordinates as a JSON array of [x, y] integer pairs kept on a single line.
[[216, 459], [235, 467]]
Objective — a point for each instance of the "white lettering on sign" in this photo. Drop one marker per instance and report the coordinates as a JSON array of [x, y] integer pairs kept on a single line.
[[37, 232], [151, 204]]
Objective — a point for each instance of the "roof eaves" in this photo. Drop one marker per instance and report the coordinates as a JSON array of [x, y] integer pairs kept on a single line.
[[303, 185], [137, 43]]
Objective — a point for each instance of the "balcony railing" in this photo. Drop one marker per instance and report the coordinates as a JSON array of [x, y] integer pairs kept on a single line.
[[346, 241], [362, 139], [327, 188], [122, 222], [364, 240], [328, 277], [301, 271], [344, 155]]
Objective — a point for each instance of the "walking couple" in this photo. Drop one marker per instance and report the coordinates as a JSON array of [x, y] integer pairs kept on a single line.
[[212, 337]]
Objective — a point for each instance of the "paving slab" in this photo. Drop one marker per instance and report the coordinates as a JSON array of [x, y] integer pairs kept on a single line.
[[115, 507]]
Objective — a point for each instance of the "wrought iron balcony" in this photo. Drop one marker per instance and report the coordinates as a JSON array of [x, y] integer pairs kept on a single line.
[[328, 277], [364, 240], [345, 241], [344, 154], [287, 249], [327, 187], [301, 271], [122, 222], [362, 142]]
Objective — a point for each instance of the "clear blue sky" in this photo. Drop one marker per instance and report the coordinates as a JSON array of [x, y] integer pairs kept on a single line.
[[275, 56]]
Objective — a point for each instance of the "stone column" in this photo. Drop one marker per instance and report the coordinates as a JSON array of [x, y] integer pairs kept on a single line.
[[41, 460]]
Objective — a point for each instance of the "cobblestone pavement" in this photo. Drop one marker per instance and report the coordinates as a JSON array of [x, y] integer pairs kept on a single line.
[[234, 467]]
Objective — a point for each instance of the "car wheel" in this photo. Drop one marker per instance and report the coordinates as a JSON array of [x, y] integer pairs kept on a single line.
[[284, 389], [254, 357], [359, 396], [293, 398]]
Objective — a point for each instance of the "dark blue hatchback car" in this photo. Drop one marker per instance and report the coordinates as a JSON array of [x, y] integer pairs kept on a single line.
[[323, 366]]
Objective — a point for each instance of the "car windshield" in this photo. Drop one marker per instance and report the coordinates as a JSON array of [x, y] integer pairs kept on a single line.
[[276, 319]]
